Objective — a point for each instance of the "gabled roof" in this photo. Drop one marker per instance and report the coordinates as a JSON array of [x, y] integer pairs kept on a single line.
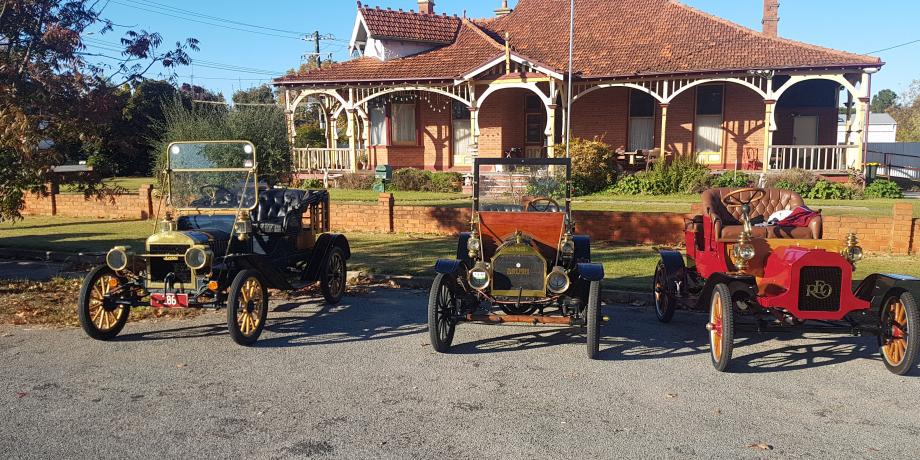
[[409, 25], [471, 49], [615, 38]]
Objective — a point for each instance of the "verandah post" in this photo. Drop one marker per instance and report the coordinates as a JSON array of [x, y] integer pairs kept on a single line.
[[767, 133], [664, 130]]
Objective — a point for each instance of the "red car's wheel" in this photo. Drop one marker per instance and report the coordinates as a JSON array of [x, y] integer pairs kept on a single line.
[[721, 327], [664, 304], [899, 342]]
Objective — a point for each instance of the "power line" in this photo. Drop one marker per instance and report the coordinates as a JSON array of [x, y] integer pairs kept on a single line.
[[893, 47], [216, 18], [106, 46]]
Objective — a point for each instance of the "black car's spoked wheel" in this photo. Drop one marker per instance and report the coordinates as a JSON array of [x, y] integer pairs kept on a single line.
[[100, 317], [899, 341], [441, 310], [721, 327], [594, 319], [664, 304], [247, 307], [334, 276]]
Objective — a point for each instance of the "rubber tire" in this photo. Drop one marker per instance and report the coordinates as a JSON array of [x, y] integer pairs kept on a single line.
[[83, 307], [232, 305], [728, 327], [664, 304], [333, 298], [594, 319], [913, 339], [440, 345]]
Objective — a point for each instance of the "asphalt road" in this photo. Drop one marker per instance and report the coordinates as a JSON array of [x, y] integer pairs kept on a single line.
[[360, 381]]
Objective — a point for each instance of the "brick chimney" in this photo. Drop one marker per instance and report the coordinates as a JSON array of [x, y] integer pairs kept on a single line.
[[771, 17], [426, 6], [504, 10]]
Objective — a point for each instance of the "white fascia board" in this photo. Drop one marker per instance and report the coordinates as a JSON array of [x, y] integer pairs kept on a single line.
[[514, 57], [359, 23]]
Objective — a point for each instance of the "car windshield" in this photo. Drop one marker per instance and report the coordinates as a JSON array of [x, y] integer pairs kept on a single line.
[[212, 175], [521, 184]]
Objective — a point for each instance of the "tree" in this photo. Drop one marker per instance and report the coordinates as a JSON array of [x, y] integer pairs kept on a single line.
[[907, 113], [197, 93], [884, 100], [55, 89], [258, 95]]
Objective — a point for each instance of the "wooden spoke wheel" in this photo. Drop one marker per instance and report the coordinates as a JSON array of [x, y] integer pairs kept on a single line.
[[899, 341], [334, 276], [100, 316], [247, 307], [721, 327], [664, 303], [441, 309], [594, 319]]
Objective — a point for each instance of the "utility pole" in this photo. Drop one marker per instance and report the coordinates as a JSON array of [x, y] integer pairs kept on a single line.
[[319, 57]]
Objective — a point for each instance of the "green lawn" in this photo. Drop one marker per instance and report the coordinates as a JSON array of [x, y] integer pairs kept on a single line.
[[626, 267]]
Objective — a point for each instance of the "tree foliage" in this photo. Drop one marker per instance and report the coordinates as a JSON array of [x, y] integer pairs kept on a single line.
[[884, 100], [257, 95], [907, 114], [59, 99]]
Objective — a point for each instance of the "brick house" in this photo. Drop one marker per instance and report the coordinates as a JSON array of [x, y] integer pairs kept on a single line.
[[433, 91]]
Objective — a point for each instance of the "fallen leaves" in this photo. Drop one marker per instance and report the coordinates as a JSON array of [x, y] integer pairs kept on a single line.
[[759, 446], [671, 395]]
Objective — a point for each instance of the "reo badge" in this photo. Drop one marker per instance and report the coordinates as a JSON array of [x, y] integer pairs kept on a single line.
[[819, 290]]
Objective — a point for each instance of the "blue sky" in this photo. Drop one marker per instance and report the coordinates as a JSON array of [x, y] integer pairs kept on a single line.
[[830, 23]]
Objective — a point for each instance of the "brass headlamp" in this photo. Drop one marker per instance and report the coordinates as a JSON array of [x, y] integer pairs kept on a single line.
[[852, 251]]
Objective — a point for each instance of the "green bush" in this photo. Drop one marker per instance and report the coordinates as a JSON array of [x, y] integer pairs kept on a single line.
[[445, 182], [553, 187], [683, 175], [593, 166], [310, 184], [824, 190], [801, 189], [733, 179], [354, 181], [883, 189], [310, 135], [419, 180], [798, 180]]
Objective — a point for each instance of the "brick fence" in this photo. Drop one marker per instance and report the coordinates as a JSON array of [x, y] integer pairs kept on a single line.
[[897, 234]]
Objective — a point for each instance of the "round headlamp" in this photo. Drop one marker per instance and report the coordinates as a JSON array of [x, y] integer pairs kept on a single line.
[[197, 258], [474, 244], [853, 254], [479, 277], [557, 281], [567, 248], [117, 258], [743, 251]]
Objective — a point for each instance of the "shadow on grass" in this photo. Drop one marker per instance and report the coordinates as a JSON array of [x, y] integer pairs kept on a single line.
[[70, 242], [414, 256]]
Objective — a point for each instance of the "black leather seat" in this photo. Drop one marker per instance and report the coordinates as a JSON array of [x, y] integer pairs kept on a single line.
[[501, 207], [279, 210]]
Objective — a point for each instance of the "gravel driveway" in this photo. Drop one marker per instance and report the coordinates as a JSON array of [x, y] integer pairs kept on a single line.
[[361, 381]]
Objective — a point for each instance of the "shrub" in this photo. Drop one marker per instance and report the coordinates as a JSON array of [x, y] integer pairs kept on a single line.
[[310, 184], [355, 181], [798, 180], [733, 179], [883, 189], [801, 189], [445, 182], [593, 166], [410, 179], [683, 175], [629, 185], [824, 190], [553, 187]]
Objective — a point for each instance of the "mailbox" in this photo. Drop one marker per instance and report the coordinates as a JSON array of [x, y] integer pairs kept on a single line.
[[384, 172]]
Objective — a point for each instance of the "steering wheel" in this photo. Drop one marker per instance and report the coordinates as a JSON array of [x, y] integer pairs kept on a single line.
[[733, 199], [217, 194], [543, 204]]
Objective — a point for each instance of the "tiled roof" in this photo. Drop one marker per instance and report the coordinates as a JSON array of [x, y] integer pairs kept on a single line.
[[634, 37], [471, 50], [411, 26]]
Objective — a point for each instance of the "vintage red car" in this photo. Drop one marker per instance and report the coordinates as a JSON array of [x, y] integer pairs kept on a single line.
[[759, 277]]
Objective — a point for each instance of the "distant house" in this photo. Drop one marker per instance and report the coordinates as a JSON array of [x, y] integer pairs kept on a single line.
[[882, 128], [434, 91]]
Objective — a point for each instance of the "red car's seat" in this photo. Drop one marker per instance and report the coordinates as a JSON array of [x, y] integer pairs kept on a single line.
[[727, 221]]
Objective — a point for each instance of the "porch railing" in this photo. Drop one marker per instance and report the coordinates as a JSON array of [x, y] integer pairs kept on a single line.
[[311, 159], [810, 157], [534, 151]]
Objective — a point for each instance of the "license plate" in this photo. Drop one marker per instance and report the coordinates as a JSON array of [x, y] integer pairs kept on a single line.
[[169, 300]]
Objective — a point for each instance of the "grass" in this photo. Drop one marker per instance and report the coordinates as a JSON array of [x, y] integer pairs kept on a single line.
[[129, 184], [626, 267]]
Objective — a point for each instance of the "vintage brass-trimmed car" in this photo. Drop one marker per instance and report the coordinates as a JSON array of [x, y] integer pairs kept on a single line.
[[230, 240], [752, 274], [521, 256]]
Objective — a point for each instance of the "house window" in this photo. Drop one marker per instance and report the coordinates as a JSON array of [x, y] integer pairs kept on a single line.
[[536, 121], [461, 130], [404, 124], [709, 132], [641, 121], [378, 115]]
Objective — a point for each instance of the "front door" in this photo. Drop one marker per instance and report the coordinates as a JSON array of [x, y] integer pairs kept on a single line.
[[805, 131], [460, 134]]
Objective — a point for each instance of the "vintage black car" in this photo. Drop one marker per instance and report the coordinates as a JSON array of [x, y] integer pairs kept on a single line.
[[230, 240], [521, 261]]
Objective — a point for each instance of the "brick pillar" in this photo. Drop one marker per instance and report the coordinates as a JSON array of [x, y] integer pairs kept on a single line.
[[145, 192], [902, 226], [385, 203]]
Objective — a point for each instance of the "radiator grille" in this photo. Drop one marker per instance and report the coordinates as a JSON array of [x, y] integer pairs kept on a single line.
[[819, 288], [177, 249]]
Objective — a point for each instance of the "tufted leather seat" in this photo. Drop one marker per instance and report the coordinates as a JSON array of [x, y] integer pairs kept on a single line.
[[278, 210], [501, 207], [727, 222]]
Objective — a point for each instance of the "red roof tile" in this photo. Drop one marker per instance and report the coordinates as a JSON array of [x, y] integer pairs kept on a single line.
[[472, 49], [634, 37], [411, 26]]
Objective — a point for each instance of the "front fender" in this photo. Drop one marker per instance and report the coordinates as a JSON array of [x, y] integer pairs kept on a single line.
[[745, 285], [321, 249], [590, 271], [448, 266], [878, 287]]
